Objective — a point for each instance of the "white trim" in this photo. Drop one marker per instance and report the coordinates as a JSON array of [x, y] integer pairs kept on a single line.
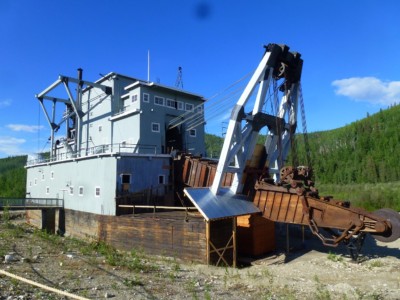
[[189, 105], [159, 99], [194, 131], [126, 174], [153, 130], [180, 105], [148, 98], [95, 191], [171, 103]]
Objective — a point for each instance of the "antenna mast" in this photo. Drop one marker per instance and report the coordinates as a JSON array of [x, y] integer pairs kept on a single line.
[[179, 81]]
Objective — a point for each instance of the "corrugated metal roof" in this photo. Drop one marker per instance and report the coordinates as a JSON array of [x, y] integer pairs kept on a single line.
[[224, 205]]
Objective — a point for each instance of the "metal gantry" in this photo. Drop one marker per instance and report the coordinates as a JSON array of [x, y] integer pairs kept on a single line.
[[73, 113], [243, 128]]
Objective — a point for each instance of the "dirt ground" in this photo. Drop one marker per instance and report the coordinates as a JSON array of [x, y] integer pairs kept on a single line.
[[309, 272]]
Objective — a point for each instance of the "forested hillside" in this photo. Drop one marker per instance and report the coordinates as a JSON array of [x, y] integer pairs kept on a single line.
[[12, 177], [366, 151]]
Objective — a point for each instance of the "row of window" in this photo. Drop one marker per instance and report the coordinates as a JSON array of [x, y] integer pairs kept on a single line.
[[161, 101], [71, 191], [35, 180]]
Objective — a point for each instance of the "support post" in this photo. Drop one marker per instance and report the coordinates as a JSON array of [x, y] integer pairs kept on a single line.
[[208, 242], [234, 225]]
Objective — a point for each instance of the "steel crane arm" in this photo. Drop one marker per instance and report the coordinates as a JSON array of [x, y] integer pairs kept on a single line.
[[240, 142]]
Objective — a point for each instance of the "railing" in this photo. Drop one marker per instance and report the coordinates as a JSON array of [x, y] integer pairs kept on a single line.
[[98, 150], [31, 202]]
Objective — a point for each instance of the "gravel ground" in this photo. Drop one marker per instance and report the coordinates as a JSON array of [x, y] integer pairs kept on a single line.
[[94, 271]]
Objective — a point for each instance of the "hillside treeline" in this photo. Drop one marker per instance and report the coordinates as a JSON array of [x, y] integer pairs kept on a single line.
[[13, 177], [366, 151]]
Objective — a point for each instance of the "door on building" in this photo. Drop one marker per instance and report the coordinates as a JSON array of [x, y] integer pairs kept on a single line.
[[174, 140]]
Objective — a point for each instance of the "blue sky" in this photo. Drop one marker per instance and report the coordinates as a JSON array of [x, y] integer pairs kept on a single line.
[[350, 52]]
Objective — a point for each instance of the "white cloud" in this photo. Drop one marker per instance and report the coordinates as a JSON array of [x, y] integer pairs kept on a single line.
[[369, 89], [5, 103], [24, 128], [10, 145]]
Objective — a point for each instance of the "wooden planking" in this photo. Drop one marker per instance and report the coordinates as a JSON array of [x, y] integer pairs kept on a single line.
[[168, 234], [280, 206], [255, 235]]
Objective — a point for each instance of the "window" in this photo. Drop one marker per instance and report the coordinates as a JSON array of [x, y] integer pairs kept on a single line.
[[155, 127], [42, 176], [199, 109], [161, 179], [47, 190], [30, 183], [189, 107], [180, 105], [81, 191], [100, 128], [171, 103], [35, 181], [192, 132], [97, 191], [158, 100], [71, 190], [126, 178], [146, 97], [134, 98], [52, 175]]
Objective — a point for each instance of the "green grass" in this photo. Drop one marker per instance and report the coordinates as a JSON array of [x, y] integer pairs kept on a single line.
[[368, 196]]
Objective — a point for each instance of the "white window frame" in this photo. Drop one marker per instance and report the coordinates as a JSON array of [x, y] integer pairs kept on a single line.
[[159, 99], [152, 128], [180, 105], [81, 191], [97, 191], [192, 132], [199, 108], [170, 103], [189, 107], [126, 174], [134, 98], [146, 97]]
